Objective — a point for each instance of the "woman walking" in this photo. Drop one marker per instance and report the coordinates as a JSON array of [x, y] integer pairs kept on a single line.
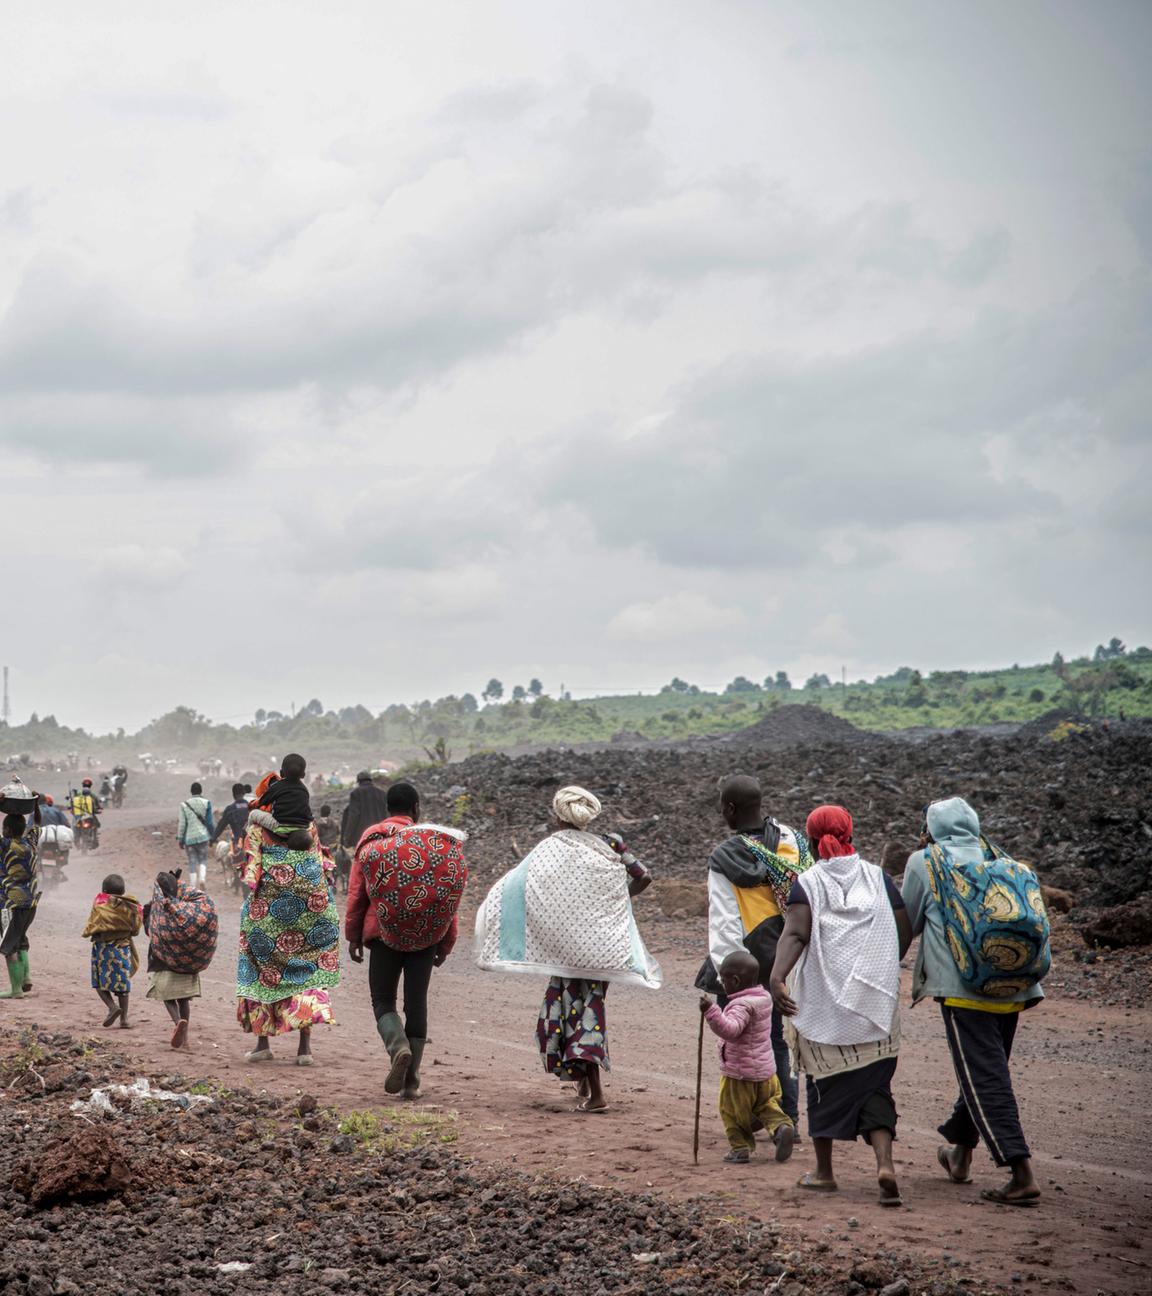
[[289, 942], [566, 911], [843, 939]]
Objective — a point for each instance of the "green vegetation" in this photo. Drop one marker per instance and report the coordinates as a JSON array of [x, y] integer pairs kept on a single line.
[[1112, 682], [400, 1127]]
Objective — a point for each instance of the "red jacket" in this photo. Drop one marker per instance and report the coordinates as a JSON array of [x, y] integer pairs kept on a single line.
[[360, 922]]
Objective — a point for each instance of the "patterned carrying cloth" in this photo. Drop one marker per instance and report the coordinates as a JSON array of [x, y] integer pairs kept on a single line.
[[415, 876], [994, 919], [564, 911], [111, 924], [289, 932], [183, 929]]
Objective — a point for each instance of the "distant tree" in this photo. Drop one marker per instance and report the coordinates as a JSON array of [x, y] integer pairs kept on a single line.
[[519, 693], [261, 717], [494, 692], [312, 708], [1111, 651], [33, 719], [468, 704], [1037, 695], [783, 683], [817, 682], [677, 685], [535, 687], [742, 685]]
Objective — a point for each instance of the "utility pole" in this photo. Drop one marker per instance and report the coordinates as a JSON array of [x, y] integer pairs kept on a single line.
[[844, 677], [7, 705]]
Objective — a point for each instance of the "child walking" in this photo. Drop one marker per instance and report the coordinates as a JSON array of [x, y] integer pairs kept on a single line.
[[114, 920], [749, 1087]]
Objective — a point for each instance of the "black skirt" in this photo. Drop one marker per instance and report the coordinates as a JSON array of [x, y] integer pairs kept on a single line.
[[854, 1103]]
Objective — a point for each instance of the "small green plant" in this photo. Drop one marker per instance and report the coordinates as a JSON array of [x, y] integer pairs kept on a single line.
[[460, 808], [404, 1127]]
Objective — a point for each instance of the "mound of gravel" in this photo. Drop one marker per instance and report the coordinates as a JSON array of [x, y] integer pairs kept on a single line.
[[801, 725]]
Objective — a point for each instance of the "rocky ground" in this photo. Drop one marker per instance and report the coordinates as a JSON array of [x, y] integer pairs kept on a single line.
[[252, 1192], [1079, 808]]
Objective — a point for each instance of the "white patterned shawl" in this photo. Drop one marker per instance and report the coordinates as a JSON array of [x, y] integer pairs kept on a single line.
[[564, 910], [847, 982]]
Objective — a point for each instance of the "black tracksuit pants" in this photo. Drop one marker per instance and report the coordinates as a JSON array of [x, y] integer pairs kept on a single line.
[[981, 1045]]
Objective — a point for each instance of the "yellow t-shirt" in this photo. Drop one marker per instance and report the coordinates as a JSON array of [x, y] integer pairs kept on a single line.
[[983, 1005]]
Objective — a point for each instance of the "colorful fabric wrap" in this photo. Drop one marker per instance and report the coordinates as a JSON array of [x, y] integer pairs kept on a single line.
[[183, 929], [415, 876], [780, 873], [289, 931], [564, 911]]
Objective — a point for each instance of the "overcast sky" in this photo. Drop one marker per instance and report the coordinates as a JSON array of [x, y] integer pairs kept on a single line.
[[369, 350]]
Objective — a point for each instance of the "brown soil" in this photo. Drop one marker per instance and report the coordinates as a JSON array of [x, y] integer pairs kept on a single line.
[[1081, 1071]]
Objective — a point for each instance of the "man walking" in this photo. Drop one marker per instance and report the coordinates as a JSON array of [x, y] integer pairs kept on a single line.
[[749, 877], [367, 805], [194, 831], [407, 881]]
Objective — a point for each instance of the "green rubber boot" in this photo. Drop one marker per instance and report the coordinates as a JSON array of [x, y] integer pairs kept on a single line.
[[391, 1030], [412, 1084], [27, 974], [15, 978]]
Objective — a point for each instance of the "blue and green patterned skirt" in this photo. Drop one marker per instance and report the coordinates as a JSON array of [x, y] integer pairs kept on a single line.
[[111, 967]]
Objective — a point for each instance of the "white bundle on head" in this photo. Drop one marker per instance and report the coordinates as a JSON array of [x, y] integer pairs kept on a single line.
[[575, 806]]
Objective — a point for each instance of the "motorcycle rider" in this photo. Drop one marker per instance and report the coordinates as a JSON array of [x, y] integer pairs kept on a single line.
[[85, 802], [50, 813]]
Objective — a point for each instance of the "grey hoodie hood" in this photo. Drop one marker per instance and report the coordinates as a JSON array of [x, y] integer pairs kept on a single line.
[[954, 823]]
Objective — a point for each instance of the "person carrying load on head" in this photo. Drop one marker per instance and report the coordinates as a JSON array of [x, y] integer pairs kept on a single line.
[[983, 951]]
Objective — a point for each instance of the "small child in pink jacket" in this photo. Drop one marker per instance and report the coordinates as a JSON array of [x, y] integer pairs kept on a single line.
[[749, 1087]]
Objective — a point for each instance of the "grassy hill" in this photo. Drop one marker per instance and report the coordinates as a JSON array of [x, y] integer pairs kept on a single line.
[[1118, 685]]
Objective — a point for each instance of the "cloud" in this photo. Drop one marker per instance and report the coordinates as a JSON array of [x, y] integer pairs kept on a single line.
[[675, 618]]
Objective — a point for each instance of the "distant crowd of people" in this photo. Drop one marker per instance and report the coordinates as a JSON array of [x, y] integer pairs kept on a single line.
[[802, 974]]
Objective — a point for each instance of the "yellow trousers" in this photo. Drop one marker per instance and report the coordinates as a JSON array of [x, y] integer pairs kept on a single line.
[[744, 1102]]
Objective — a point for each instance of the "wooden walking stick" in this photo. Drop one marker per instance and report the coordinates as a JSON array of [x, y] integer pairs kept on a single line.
[[699, 1083]]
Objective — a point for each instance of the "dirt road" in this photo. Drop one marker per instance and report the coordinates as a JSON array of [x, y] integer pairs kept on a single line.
[[1083, 1078]]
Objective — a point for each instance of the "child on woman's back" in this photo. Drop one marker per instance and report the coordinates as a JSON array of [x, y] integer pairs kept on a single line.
[[749, 1086], [114, 920], [285, 807]]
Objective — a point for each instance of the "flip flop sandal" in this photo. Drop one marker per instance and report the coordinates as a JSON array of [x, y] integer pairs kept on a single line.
[[180, 1034], [946, 1166], [590, 1111], [891, 1198], [258, 1055], [816, 1185], [110, 1020], [305, 1059], [1001, 1198]]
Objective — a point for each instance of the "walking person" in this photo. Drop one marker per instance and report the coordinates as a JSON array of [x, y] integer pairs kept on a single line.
[[565, 912], [750, 877], [194, 831], [406, 884], [289, 941], [19, 895], [980, 1026], [843, 939], [112, 922], [182, 929], [367, 805]]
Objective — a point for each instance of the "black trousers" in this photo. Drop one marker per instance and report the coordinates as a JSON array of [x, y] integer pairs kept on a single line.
[[981, 1046], [385, 967]]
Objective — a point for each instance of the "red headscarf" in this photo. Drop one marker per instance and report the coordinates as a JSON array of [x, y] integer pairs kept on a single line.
[[263, 786], [829, 829]]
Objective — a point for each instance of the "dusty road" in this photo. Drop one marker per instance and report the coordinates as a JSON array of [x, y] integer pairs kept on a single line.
[[1083, 1080]]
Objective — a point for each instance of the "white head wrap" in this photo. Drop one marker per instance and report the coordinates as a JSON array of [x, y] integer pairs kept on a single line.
[[575, 806]]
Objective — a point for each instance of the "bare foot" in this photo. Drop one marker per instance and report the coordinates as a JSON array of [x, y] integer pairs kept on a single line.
[[124, 1024]]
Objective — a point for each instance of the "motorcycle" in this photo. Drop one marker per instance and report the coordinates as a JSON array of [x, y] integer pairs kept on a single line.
[[56, 842], [84, 831]]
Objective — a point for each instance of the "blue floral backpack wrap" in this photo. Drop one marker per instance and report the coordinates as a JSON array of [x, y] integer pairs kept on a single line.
[[995, 922]]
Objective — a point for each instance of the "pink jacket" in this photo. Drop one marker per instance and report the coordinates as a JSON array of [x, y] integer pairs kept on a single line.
[[745, 1029]]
